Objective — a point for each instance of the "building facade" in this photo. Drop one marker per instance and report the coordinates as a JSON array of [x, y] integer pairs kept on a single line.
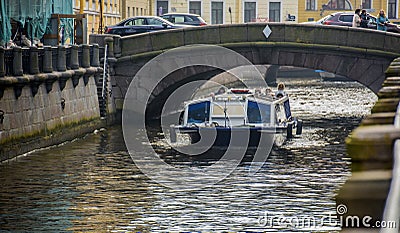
[[231, 11], [92, 8], [131, 8]]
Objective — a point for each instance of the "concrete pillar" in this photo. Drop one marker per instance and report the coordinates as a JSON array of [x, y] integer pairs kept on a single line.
[[74, 62], [85, 56], [61, 58], [17, 61], [47, 60], [34, 60], [95, 59], [2, 66], [110, 42]]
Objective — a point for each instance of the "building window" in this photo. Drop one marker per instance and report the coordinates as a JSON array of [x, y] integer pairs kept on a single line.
[[217, 12], [310, 5], [274, 11], [87, 5], [392, 9], [195, 7], [366, 4], [249, 12], [129, 11], [162, 7], [337, 5]]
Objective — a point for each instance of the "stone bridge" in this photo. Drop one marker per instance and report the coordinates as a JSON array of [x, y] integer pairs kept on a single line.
[[360, 54]]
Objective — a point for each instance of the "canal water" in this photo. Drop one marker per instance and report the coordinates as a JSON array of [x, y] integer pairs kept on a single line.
[[92, 185]]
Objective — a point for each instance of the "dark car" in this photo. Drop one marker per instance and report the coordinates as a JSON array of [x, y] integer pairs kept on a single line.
[[140, 24], [186, 19], [346, 19]]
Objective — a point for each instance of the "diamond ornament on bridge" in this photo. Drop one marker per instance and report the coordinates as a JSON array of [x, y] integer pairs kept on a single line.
[[267, 31]]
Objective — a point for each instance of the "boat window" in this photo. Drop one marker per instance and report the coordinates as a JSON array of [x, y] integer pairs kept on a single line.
[[258, 113], [199, 112], [232, 109]]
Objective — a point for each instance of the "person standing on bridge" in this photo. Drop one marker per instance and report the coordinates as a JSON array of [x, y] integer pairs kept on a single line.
[[364, 19], [356, 18], [381, 21]]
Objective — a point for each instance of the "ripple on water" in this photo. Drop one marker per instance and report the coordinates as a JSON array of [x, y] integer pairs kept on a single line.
[[92, 184]]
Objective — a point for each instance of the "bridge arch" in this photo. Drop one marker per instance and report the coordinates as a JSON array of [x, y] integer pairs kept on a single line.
[[360, 54]]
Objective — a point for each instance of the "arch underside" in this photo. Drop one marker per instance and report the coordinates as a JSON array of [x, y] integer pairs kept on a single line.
[[364, 66]]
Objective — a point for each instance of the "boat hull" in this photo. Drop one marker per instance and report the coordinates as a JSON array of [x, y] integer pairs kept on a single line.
[[224, 137]]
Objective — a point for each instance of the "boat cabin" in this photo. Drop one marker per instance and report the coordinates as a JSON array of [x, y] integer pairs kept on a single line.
[[237, 108]]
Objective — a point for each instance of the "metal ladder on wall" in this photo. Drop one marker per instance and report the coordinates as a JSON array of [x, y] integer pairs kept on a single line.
[[102, 87]]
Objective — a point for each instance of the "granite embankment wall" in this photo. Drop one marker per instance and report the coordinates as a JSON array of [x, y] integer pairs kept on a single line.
[[48, 96]]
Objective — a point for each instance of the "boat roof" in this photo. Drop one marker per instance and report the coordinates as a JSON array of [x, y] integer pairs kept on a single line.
[[240, 95]]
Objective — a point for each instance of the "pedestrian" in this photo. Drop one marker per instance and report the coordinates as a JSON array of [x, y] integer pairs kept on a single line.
[[381, 21], [356, 18], [364, 19]]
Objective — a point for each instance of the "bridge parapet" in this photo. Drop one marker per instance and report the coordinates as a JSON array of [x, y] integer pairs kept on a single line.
[[252, 32]]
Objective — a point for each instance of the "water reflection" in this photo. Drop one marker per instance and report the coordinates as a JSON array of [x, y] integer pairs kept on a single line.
[[92, 185]]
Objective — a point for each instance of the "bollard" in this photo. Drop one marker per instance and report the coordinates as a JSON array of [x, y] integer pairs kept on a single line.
[[47, 60], [95, 59], [74, 62], [2, 67], [110, 42], [85, 56], [61, 58], [34, 60], [17, 61], [54, 52]]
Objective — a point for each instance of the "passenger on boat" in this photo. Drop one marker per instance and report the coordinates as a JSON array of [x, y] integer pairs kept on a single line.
[[220, 91], [268, 92], [281, 93]]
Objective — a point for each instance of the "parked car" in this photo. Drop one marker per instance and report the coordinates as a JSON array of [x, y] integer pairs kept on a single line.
[[346, 19], [319, 22], [140, 24], [186, 19]]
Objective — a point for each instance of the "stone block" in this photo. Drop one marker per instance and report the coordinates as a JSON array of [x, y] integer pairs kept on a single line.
[[391, 42], [393, 71], [299, 33], [332, 35], [135, 44], [372, 143], [277, 32], [389, 92], [255, 32], [386, 105], [167, 39], [363, 38], [383, 118], [202, 35], [232, 33]]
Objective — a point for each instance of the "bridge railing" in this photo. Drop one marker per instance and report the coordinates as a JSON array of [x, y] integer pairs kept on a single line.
[[392, 210], [18, 61]]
